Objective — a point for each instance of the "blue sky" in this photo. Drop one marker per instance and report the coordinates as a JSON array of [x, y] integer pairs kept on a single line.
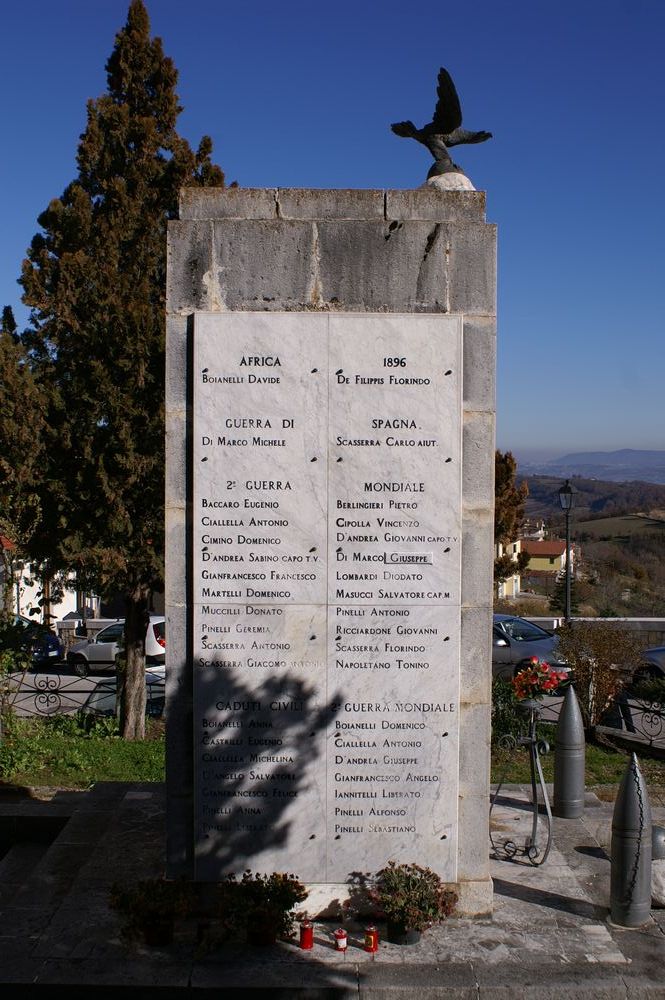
[[297, 94]]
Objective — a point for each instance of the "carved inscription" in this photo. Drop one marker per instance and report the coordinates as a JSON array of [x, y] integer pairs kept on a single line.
[[326, 576]]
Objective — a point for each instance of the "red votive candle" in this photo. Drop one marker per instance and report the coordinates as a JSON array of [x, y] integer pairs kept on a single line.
[[371, 939], [307, 934]]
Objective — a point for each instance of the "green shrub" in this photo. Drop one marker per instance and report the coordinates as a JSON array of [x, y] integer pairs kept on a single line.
[[505, 720], [651, 690], [260, 901], [411, 896], [150, 902], [602, 659], [83, 723], [14, 658]]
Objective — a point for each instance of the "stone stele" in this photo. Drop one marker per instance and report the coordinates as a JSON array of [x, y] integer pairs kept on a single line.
[[330, 418]]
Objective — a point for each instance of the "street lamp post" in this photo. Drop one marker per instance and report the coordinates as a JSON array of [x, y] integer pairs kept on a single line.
[[566, 499]]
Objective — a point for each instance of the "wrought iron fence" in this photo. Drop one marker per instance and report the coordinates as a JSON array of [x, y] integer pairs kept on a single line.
[[48, 694], [634, 720]]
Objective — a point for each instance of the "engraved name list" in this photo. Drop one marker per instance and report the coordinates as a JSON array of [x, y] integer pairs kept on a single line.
[[325, 539]]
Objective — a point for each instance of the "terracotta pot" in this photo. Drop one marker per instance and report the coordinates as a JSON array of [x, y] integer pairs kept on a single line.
[[261, 934], [399, 934], [159, 932]]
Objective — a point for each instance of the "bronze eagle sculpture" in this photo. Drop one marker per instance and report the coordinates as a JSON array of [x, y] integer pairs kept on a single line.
[[444, 130]]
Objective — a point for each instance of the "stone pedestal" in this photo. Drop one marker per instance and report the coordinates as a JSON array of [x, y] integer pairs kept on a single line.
[[340, 344]]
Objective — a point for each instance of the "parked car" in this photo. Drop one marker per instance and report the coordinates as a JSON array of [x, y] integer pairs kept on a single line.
[[102, 699], [515, 641], [99, 654], [651, 666], [41, 642]]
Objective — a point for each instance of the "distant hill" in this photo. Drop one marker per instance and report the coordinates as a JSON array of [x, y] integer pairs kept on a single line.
[[594, 497], [624, 465]]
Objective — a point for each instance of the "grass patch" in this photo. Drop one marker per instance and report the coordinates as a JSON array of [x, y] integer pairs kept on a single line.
[[621, 527], [76, 751], [604, 765]]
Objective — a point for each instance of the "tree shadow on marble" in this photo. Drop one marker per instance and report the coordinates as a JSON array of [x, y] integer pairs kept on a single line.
[[256, 778]]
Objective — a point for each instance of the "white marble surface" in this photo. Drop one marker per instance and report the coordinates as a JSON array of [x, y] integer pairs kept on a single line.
[[658, 882], [395, 443], [259, 455], [332, 634], [450, 182]]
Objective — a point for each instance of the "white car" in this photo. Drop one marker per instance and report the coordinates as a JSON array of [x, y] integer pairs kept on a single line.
[[99, 654], [102, 699]]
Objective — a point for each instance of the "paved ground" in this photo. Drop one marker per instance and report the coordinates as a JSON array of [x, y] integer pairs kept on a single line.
[[548, 936]]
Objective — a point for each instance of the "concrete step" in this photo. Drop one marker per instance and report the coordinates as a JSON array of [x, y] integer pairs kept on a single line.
[[18, 864], [73, 839]]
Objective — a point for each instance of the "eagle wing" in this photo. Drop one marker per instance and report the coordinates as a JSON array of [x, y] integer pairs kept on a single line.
[[447, 113]]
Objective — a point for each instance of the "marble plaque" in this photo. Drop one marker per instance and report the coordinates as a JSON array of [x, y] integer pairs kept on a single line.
[[326, 522]]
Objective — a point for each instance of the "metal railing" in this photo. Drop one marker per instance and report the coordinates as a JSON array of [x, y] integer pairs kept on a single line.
[[650, 631], [636, 721], [41, 695]]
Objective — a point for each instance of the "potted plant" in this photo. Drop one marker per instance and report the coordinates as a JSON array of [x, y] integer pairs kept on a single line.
[[260, 906], [411, 899], [149, 909]]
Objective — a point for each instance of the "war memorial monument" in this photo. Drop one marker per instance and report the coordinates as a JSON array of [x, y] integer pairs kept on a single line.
[[330, 442]]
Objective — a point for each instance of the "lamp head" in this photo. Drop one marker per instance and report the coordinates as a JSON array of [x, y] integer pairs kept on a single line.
[[567, 495]]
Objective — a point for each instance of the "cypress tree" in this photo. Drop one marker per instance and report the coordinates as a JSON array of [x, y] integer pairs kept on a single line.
[[557, 602], [21, 453], [95, 281], [509, 502]]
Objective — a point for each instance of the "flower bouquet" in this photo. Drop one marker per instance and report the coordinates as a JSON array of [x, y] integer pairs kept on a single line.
[[537, 679]]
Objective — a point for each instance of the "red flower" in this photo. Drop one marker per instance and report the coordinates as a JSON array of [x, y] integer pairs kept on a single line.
[[537, 678]]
